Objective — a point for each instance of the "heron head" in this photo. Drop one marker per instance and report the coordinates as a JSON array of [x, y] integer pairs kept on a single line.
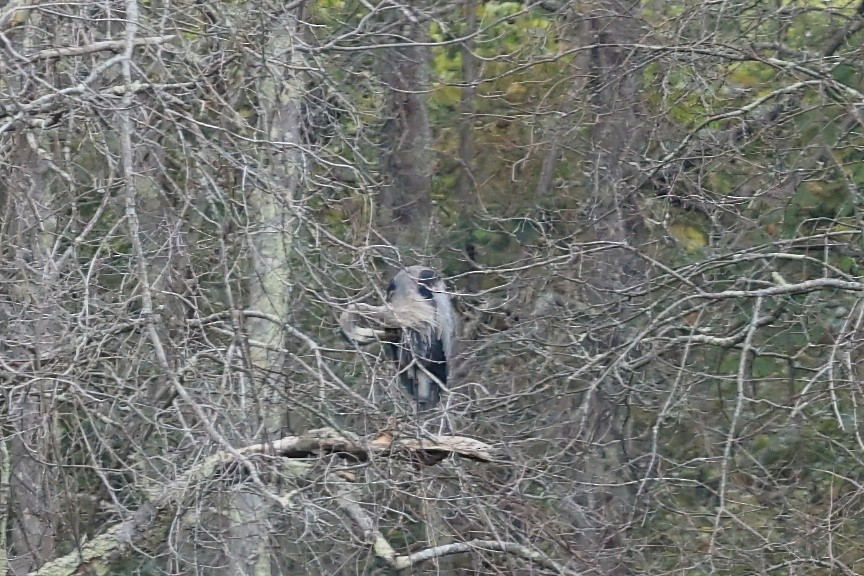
[[412, 282]]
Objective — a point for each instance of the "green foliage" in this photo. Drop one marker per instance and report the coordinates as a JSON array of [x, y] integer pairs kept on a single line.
[[754, 75], [525, 36], [690, 231]]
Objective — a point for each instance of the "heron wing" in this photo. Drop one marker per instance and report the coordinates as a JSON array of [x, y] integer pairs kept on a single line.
[[448, 324], [422, 365]]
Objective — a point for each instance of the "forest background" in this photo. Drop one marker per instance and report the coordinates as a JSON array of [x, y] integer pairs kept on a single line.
[[649, 214]]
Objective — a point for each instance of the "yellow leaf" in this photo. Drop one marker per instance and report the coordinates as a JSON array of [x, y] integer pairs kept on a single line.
[[690, 237], [515, 90]]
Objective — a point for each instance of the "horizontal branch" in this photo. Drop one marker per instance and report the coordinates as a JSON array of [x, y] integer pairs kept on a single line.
[[107, 45], [513, 548], [785, 288], [327, 441], [58, 100]]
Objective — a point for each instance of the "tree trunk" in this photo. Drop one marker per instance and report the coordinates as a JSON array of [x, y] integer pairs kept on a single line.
[[248, 542], [617, 137], [405, 204], [34, 325], [465, 184], [613, 92]]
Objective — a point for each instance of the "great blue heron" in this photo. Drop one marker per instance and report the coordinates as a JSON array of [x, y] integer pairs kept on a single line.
[[420, 327]]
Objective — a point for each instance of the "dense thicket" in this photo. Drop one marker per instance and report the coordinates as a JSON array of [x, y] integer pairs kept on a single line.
[[648, 213]]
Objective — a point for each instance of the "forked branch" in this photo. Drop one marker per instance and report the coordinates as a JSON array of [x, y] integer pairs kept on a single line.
[[381, 547]]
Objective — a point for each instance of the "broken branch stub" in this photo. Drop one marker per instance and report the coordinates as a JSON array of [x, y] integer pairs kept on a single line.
[[364, 323]]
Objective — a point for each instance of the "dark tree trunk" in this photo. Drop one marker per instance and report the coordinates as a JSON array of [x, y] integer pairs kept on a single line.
[[615, 85], [465, 185], [613, 94], [406, 140]]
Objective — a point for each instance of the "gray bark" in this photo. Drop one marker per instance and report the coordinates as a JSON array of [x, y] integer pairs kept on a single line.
[[465, 184], [247, 542], [613, 92], [617, 136], [33, 334], [406, 139]]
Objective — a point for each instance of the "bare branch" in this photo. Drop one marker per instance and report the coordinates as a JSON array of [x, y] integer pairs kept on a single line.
[[121, 537], [326, 441], [385, 551], [105, 45], [380, 317], [109, 545]]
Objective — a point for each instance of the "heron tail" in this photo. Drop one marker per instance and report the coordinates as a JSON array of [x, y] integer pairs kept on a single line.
[[428, 392]]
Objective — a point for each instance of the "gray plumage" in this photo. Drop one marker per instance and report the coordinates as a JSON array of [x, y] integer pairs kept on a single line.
[[429, 329]]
